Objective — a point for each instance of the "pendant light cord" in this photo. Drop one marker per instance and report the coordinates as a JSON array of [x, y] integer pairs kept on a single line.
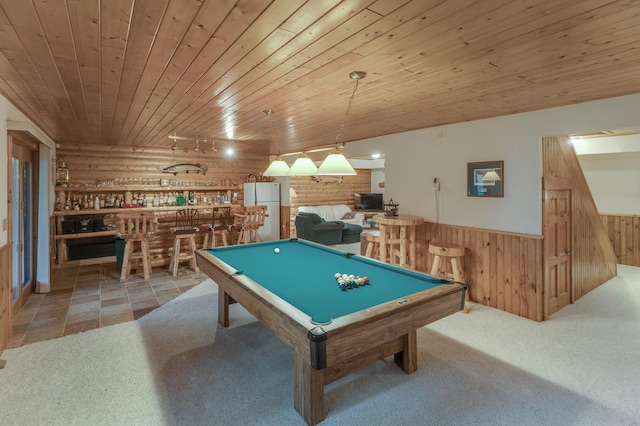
[[357, 79]]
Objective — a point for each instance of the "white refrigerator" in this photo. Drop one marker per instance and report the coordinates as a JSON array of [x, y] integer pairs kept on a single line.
[[265, 194]]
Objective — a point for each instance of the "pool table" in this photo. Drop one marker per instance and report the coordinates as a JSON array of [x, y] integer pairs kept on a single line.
[[333, 332]]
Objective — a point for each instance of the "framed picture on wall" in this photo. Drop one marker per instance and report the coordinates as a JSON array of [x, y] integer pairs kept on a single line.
[[485, 179]]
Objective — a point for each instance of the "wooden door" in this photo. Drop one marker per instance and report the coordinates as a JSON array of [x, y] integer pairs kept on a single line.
[[557, 248]]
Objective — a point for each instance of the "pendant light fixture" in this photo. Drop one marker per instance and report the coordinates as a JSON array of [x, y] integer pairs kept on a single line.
[[336, 164], [303, 166], [278, 166]]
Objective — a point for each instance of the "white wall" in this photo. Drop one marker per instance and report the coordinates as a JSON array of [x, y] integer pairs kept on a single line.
[[413, 159], [614, 180], [611, 165], [377, 178]]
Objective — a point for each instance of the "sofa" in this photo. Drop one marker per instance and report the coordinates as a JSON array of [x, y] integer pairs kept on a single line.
[[312, 227], [335, 212]]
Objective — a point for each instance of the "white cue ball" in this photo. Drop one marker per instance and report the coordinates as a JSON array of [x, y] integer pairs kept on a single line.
[[276, 250]]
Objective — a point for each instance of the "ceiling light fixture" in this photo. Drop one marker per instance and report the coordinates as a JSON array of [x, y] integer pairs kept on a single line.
[[278, 166], [336, 164], [303, 166], [197, 148]]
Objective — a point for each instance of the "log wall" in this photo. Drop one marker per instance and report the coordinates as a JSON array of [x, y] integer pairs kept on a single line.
[[624, 234], [88, 165], [117, 169]]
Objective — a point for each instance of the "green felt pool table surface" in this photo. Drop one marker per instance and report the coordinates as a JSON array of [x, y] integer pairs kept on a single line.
[[302, 274]]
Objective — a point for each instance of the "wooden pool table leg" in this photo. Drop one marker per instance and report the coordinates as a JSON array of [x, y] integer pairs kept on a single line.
[[408, 358], [308, 390], [223, 307]]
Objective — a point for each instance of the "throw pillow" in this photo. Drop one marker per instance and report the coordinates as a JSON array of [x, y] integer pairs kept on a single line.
[[349, 215]]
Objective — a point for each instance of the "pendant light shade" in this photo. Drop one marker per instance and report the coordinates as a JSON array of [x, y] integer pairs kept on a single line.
[[336, 165], [278, 167], [303, 166]]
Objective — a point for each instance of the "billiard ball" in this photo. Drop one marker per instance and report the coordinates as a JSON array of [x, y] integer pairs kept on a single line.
[[276, 250]]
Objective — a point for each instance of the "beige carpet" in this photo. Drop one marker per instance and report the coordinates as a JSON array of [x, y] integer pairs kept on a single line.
[[175, 366]]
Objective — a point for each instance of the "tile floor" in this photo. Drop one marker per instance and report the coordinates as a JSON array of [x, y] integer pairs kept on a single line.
[[88, 294]]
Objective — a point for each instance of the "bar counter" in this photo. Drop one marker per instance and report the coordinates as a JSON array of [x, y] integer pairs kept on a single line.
[[161, 246]]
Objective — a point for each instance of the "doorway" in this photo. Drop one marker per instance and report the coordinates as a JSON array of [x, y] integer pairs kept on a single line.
[[23, 210]]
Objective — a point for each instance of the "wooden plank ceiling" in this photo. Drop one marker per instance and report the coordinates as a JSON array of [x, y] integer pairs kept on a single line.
[[134, 72]]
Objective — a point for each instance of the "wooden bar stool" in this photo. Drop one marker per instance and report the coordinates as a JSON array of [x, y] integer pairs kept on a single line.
[[398, 244], [373, 245], [220, 229], [249, 223], [136, 227], [187, 228], [455, 254]]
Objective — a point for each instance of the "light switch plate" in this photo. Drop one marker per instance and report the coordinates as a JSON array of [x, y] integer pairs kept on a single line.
[[4, 224]]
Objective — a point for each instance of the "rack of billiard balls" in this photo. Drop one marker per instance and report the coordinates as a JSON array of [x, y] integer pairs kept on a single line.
[[347, 282]]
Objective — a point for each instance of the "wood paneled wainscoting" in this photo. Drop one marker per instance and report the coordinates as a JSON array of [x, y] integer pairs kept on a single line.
[[624, 234], [503, 270]]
